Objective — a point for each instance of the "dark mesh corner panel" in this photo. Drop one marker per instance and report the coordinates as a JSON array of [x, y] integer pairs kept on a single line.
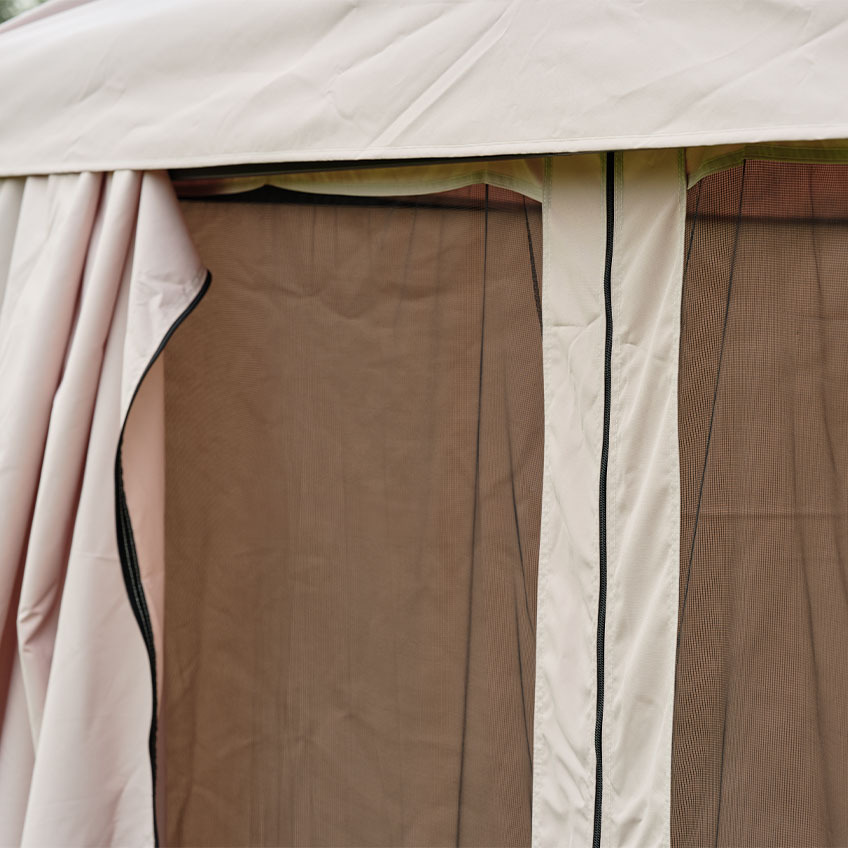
[[760, 754], [354, 464]]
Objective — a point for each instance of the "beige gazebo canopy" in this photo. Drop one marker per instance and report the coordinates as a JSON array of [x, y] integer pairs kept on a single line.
[[424, 423]]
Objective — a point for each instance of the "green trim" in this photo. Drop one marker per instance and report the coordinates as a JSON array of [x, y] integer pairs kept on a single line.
[[768, 153]]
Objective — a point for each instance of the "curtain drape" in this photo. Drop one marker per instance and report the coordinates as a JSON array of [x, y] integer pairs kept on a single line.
[[94, 270]]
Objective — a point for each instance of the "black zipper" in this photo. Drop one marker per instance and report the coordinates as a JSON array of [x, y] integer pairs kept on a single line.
[[602, 499], [127, 551]]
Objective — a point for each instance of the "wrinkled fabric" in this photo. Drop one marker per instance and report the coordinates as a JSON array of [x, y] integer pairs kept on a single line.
[[524, 176], [93, 270], [108, 84]]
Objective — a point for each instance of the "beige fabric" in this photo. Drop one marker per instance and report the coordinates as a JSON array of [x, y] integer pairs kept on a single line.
[[643, 520], [354, 450], [573, 338], [703, 161], [88, 295], [524, 176], [109, 84]]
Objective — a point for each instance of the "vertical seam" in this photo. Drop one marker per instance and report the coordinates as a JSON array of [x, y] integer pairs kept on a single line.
[[610, 180]]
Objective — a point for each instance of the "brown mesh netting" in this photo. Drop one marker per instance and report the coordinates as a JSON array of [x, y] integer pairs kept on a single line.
[[760, 755], [354, 460]]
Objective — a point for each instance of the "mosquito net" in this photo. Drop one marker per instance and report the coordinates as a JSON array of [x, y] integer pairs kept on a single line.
[[760, 753], [354, 463]]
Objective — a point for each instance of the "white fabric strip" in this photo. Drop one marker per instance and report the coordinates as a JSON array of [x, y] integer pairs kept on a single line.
[[643, 502], [573, 349]]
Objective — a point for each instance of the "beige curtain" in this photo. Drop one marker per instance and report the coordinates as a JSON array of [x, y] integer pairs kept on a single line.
[[94, 269]]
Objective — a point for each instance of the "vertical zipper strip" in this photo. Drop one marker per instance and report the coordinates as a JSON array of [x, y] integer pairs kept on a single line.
[[129, 557], [602, 497]]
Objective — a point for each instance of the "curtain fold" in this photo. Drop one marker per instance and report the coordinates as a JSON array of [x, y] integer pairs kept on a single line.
[[94, 268]]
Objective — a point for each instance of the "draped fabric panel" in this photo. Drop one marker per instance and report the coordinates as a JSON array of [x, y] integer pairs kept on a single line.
[[93, 270]]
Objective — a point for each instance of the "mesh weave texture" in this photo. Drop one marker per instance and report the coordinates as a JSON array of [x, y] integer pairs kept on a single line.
[[760, 753], [354, 463]]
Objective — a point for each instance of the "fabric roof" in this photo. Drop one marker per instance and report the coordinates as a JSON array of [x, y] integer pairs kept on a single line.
[[111, 84]]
